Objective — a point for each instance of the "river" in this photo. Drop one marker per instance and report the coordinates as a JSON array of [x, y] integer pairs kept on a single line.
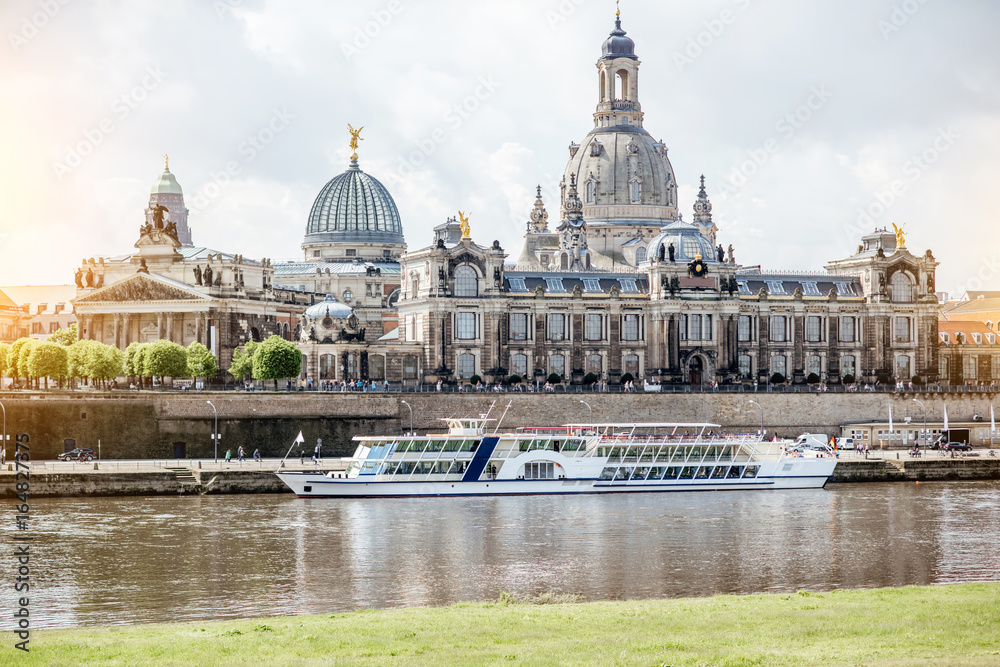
[[99, 561]]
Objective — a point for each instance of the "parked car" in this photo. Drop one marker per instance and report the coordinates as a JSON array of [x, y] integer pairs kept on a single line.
[[78, 454], [957, 447], [845, 443]]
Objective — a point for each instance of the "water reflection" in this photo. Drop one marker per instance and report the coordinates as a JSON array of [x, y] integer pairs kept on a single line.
[[101, 561]]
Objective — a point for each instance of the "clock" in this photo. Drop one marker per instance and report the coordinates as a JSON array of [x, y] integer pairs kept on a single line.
[[348, 295], [698, 268]]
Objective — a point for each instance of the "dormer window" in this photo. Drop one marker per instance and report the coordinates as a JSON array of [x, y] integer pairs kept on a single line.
[[554, 285], [945, 338], [517, 285], [977, 338], [775, 288], [991, 339], [810, 289]]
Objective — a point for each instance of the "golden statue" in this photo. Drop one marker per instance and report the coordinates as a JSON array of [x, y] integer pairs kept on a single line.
[[355, 137], [900, 236], [466, 229], [618, 4], [166, 162]]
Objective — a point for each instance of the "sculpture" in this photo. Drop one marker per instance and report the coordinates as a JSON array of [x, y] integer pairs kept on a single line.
[[208, 276], [900, 236], [142, 266], [218, 279], [671, 250], [355, 138], [732, 257], [100, 281], [930, 283], [466, 229], [90, 277], [79, 278], [722, 254], [197, 274], [158, 212]]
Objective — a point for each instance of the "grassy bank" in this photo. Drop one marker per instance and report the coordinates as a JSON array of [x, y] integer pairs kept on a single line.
[[953, 625]]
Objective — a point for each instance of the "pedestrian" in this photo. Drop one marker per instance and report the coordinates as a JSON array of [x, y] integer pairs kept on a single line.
[[302, 457], [315, 461], [256, 455], [319, 449], [240, 454], [229, 455]]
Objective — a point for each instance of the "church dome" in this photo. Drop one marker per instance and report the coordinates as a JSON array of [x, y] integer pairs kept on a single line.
[[354, 208], [617, 45], [166, 184], [329, 307], [688, 242]]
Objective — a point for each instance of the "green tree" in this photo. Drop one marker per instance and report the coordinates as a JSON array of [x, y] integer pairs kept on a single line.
[[276, 359], [165, 358], [135, 361], [4, 351], [95, 361], [77, 353], [23, 354], [48, 360], [554, 378], [241, 367], [201, 362], [65, 337], [14, 356]]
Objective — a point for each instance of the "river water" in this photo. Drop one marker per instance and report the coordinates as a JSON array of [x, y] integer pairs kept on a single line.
[[100, 561]]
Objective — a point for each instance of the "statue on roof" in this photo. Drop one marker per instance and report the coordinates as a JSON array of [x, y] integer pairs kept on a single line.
[[900, 236], [158, 212], [79, 278], [466, 229], [355, 138]]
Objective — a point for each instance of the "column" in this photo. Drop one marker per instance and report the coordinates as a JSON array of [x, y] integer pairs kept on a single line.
[[117, 330], [159, 326], [170, 326]]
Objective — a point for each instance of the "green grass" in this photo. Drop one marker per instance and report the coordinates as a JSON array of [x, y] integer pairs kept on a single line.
[[937, 625]]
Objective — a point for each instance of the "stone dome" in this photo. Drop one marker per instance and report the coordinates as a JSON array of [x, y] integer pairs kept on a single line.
[[329, 307], [354, 208], [166, 184], [617, 45], [688, 241]]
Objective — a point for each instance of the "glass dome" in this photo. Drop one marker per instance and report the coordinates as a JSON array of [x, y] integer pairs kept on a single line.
[[688, 243], [354, 208], [328, 307]]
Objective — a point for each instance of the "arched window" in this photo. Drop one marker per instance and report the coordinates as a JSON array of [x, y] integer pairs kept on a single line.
[[466, 366], [564, 261], [745, 365], [594, 364], [327, 367], [635, 191], [903, 367], [778, 365], [630, 364], [640, 255], [943, 368], [902, 288], [519, 364], [466, 281], [848, 366], [376, 367], [590, 192], [814, 365], [557, 365]]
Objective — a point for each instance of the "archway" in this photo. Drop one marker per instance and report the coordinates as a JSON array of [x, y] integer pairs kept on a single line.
[[696, 369]]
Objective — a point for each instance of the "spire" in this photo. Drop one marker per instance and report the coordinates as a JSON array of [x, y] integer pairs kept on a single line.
[[703, 213], [539, 223], [618, 14]]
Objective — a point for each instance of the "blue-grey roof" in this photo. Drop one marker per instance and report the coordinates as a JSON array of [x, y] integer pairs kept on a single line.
[[354, 208], [687, 240], [785, 284], [338, 268], [617, 45], [589, 282], [329, 306]]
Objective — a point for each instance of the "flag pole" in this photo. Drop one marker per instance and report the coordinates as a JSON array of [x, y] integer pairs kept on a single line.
[[298, 441]]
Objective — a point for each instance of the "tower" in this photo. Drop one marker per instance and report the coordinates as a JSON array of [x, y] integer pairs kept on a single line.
[[618, 81], [703, 214], [167, 192], [573, 250]]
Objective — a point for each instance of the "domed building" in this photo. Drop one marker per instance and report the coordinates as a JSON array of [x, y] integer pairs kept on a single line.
[[167, 192]]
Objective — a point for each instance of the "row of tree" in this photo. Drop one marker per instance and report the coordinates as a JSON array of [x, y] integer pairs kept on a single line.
[[62, 357]]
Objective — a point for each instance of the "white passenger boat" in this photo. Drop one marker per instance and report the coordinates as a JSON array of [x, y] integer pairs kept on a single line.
[[574, 458]]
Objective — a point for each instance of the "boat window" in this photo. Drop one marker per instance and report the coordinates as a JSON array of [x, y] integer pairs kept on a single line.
[[435, 445], [751, 471], [697, 453], [416, 446], [655, 473], [524, 445], [687, 472], [735, 471], [663, 454], [702, 472], [554, 445], [633, 454], [452, 445], [539, 470], [616, 454], [608, 473], [640, 473], [573, 445], [470, 445], [672, 472], [719, 472], [623, 474]]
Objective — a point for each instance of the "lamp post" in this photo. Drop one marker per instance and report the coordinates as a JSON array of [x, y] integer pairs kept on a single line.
[[920, 403], [591, 411], [215, 436], [761, 418], [411, 416], [4, 431]]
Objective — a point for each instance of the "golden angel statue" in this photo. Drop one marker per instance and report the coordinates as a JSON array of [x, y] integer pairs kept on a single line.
[[355, 138], [900, 236], [466, 229]]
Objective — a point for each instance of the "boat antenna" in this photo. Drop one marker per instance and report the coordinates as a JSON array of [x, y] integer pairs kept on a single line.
[[501, 416], [484, 416]]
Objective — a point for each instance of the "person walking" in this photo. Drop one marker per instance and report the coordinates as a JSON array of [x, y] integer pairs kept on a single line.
[[229, 455], [256, 455], [240, 454]]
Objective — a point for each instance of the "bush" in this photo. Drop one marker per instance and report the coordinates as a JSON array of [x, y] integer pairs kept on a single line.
[[554, 378], [812, 379], [777, 378], [475, 379], [848, 379], [514, 379], [916, 380], [589, 378], [883, 378], [627, 377]]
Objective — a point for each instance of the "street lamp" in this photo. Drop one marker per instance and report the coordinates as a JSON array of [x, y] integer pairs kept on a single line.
[[920, 403], [411, 416], [4, 431], [761, 417], [215, 436], [591, 411]]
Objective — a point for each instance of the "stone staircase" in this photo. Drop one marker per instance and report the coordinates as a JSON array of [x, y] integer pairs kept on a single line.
[[185, 477]]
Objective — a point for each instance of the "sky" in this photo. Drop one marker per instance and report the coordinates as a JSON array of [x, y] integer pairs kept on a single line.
[[813, 123]]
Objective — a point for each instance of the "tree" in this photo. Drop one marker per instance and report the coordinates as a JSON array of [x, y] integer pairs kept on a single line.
[[23, 354], [277, 359], [777, 378], [135, 361], [590, 379], [554, 378], [165, 358], [514, 379], [475, 379], [627, 377], [65, 337], [812, 379], [848, 379], [241, 367], [4, 351], [48, 360], [95, 361], [201, 362]]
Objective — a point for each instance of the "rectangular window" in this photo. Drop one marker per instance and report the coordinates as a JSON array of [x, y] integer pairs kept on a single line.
[[519, 326], [779, 332], [745, 329], [592, 286], [970, 368], [810, 289], [845, 289], [517, 285], [53, 327], [410, 367], [465, 326], [466, 366], [902, 331], [694, 327], [36, 327], [814, 365], [745, 363], [630, 327], [778, 365], [814, 329], [630, 364], [594, 327], [557, 365], [557, 326], [352, 253], [848, 329], [848, 366], [554, 285], [629, 287], [775, 288], [519, 364], [943, 369]]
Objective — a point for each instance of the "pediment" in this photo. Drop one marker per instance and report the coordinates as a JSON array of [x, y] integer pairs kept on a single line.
[[142, 287]]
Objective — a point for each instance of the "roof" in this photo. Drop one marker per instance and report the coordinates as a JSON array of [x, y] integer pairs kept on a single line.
[[359, 267], [5, 301], [977, 306], [166, 184], [34, 295], [965, 333], [784, 284], [392, 335], [589, 283], [354, 207]]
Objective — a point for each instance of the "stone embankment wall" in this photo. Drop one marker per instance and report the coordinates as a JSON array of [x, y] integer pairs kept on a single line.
[[145, 425]]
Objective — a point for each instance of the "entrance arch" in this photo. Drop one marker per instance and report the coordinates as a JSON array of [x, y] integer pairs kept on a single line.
[[696, 369]]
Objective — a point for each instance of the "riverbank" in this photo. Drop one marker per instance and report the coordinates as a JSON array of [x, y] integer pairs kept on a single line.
[[955, 625], [197, 477]]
